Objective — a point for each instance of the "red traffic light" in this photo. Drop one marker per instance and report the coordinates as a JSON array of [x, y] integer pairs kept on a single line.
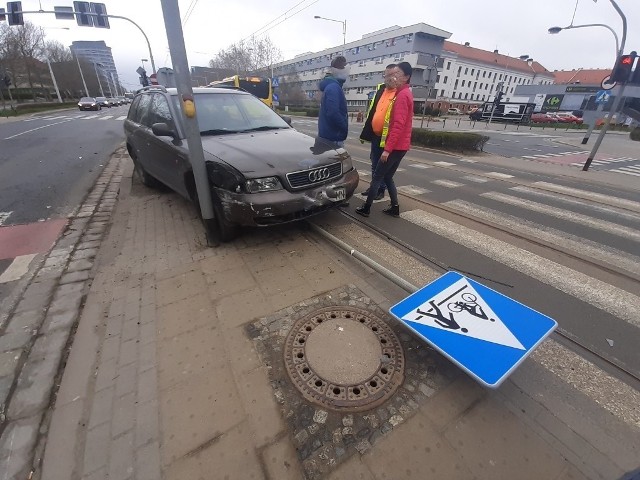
[[626, 60], [621, 72]]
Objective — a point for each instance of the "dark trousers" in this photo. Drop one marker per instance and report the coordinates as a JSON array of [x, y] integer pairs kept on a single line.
[[384, 173], [376, 151]]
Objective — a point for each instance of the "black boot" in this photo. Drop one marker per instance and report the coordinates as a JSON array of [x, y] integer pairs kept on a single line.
[[364, 210], [393, 210], [379, 195], [365, 193]]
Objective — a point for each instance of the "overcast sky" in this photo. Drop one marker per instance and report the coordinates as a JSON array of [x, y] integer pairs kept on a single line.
[[514, 27]]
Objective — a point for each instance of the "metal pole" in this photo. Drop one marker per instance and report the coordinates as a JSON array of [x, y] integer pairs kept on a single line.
[[617, 100], [592, 126], [171, 12], [53, 77], [86, 90], [115, 85], [603, 130], [95, 66], [344, 37]]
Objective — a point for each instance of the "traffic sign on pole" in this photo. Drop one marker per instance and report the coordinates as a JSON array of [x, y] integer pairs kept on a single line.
[[485, 333], [603, 96], [606, 83]]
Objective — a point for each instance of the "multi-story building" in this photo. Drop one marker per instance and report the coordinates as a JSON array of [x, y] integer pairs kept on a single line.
[[466, 76], [99, 55]]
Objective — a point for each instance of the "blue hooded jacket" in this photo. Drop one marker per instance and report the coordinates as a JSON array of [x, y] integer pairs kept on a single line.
[[332, 120]]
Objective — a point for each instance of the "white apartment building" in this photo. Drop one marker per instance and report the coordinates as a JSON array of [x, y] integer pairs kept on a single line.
[[466, 76]]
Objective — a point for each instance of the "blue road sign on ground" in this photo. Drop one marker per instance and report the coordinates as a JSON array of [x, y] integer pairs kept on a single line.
[[482, 331]]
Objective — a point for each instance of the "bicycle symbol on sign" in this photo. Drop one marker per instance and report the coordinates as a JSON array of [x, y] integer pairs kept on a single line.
[[470, 304]]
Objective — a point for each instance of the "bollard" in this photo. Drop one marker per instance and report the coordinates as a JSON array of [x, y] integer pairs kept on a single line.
[[444, 122]]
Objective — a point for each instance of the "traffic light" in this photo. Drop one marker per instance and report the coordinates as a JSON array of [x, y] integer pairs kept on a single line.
[[498, 98], [81, 9], [621, 72], [144, 80], [14, 18], [101, 21]]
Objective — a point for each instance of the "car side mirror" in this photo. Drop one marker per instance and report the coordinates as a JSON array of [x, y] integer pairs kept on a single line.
[[163, 130], [286, 118]]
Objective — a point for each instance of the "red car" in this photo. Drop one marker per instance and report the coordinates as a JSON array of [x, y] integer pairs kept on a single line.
[[566, 117], [541, 118]]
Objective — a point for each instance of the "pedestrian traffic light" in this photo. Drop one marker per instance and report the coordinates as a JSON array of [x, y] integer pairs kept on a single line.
[[621, 72], [81, 9], [14, 18], [101, 20]]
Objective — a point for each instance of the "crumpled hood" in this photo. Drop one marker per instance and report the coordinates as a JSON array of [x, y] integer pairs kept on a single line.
[[269, 153]]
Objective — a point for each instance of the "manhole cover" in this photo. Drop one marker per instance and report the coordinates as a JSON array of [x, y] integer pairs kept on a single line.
[[344, 358]]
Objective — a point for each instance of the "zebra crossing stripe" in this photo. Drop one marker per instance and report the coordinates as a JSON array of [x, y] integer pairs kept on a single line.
[[598, 197], [550, 235], [597, 293], [443, 164], [19, 266], [106, 117], [448, 183], [121, 117], [420, 165], [498, 175], [627, 172], [562, 213]]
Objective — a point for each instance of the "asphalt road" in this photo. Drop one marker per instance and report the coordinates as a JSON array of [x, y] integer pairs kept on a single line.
[[48, 162]]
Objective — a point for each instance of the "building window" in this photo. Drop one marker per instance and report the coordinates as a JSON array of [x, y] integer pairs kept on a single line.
[[466, 95], [466, 70], [455, 85], [473, 71], [362, 63], [484, 74], [442, 93], [445, 79], [459, 70], [462, 83], [438, 78], [360, 90], [448, 65]]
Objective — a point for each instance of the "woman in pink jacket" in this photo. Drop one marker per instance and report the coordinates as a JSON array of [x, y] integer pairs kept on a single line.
[[396, 140]]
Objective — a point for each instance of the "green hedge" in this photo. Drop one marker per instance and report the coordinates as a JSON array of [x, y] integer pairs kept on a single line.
[[458, 141], [635, 134]]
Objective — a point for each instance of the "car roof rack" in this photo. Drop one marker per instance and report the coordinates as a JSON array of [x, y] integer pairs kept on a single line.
[[162, 88]]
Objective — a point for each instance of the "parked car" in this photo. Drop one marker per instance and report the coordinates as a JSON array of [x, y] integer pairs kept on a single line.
[[567, 117], [541, 118], [104, 102], [260, 170], [89, 103], [454, 111]]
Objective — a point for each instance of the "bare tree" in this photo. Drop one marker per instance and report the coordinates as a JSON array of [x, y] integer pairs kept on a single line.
[[24, 43], [253, 55], [57, 52]]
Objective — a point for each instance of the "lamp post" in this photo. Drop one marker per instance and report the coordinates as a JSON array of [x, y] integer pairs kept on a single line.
[[53, 77], [143, 60], [95, 66], [618, 97], [344, 29]]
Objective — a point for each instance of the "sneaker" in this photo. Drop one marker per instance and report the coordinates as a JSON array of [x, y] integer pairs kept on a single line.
[[380, 195], [393, 210], [363, 210]]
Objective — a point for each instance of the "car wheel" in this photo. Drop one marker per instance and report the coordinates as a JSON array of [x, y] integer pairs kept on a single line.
[[146, 179], [219, 226]]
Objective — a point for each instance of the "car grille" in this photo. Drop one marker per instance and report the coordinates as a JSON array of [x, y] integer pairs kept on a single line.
[[314, 176]]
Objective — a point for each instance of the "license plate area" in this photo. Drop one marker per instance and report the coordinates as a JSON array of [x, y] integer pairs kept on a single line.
[[341, 194]]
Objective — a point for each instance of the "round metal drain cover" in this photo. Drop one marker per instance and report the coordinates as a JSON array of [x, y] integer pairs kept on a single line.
[[344, 358]]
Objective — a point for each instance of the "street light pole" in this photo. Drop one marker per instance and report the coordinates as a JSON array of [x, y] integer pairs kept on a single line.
[[86, 90], [95, 66], [53, 77], [344, 30]]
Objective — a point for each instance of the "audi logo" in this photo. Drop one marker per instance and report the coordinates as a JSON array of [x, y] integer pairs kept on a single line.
[[318, 175]]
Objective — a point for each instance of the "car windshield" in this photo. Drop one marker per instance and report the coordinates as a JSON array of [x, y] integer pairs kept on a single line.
[[87, 99], [101, 99], [226, 113]]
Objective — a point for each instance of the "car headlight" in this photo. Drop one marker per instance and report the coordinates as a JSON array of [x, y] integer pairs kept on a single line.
[[347, 163], [266, 184], [79, 104]]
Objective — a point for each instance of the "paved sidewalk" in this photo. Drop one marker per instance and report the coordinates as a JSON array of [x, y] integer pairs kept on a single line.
[[177, 371]]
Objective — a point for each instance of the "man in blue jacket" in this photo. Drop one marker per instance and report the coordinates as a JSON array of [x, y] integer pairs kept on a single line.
[[332, 120]]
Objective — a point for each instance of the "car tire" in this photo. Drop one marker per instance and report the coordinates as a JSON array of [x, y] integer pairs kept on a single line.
[[219, 227], [146, 179]]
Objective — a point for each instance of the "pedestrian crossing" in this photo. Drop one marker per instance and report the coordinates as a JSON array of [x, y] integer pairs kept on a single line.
[[578, 159], [92, 116]]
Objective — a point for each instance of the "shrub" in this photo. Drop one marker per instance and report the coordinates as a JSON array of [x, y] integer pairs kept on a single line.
[[635, 134], [458, 141]]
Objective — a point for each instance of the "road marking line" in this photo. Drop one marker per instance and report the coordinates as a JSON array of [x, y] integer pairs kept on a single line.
[[122, 117], [598, 197], [468, 160], [38, 128], [4, 216], [443, 164], [563, 214], [627, 173], [420, 165], [448, 183], [17, 269], [498, 175], [472, 178], [597, 293], [106, 117], [412, 190]]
